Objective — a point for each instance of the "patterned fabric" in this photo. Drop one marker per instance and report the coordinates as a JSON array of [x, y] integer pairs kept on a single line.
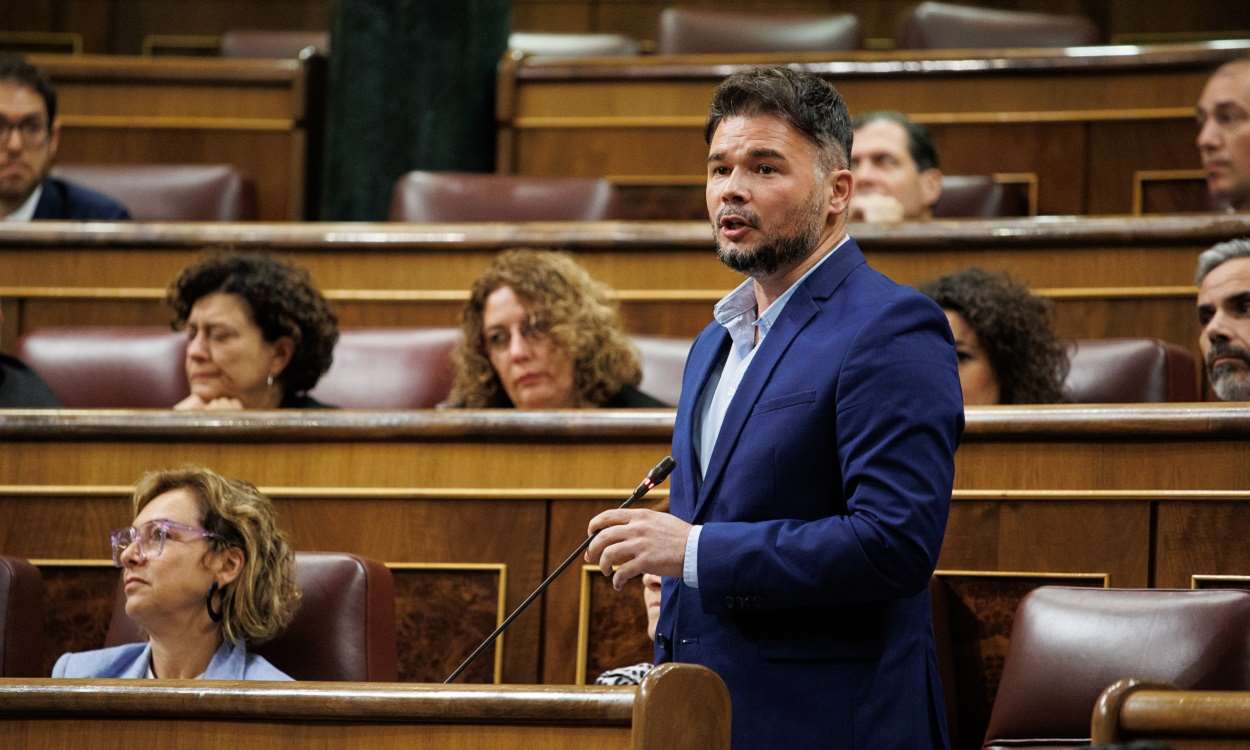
[[631, 675]]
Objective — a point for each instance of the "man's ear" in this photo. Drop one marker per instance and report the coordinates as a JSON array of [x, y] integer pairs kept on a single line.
[[841, 186], [930, 186], [54, 139]]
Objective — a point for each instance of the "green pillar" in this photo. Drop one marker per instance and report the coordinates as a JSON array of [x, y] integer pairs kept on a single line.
[[412, 86]]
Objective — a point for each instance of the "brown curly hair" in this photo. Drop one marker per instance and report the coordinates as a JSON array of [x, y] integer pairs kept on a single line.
[[1013, 327], [258, 604], [558, 294], [283, 302]]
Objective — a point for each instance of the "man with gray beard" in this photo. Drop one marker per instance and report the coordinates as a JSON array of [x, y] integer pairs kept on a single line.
[[1224, 312]]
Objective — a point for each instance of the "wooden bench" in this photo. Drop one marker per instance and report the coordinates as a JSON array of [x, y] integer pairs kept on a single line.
[[1131, 710]]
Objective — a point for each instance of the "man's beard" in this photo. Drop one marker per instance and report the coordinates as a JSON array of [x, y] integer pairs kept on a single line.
[[802, 228], [1229, 381]]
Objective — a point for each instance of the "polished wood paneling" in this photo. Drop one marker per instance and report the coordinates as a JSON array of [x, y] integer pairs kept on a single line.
[[1084, 123], [1135, 712], [254, 114], [678, 706], [1107, 277]]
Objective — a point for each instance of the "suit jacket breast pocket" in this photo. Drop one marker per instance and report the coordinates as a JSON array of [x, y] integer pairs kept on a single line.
[[777, 403]]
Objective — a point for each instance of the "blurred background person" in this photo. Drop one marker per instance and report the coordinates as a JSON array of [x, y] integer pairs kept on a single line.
[[206, 571], [540, 333], [21, 387], [1224, 136], [29, 136], [1224, 313], [259, 333], [896, 169], [1007, 352]]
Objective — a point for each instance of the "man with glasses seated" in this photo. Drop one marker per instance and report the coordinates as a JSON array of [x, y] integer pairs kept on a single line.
[[29, 135], [206, 571]]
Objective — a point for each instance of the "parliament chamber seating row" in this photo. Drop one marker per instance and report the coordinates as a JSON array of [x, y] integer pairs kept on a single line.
[[399, 368]]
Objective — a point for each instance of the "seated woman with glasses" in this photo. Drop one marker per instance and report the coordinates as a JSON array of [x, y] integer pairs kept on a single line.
[[259, 334], [206, 571], [540, 333]]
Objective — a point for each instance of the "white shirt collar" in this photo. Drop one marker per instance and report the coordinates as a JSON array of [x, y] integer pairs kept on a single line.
[[26, 211]]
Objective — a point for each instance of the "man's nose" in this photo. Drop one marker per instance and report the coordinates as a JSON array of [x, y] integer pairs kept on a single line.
[[734, 189], [1216, 330], [1208, 135]]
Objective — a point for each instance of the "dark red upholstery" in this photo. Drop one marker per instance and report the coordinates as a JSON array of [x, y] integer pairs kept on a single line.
[[389, 368], [463, 196], [980, 197], [572, 45], [344, 628], [170, 192], [693, 30], [932, 25], [115, 367], [1068, 644], [21, 619], [272, 44], [1130, 371]]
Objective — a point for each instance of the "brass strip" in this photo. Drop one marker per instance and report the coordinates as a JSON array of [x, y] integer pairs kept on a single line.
[[151, 122], [355, 493]]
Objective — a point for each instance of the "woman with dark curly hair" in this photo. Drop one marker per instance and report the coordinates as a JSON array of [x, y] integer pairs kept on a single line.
[[259, 334], [540, 333], [1006, 349]]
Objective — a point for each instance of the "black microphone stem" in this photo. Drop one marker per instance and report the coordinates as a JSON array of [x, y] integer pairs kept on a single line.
[[657, 475]]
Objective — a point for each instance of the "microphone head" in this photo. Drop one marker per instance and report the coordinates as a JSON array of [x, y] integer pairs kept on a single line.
[[661, 470]]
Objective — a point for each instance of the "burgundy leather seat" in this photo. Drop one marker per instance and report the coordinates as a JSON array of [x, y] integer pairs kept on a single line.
[[1068, 644], [344, 628], [21, 619], [170, 192], [463, 196], [694, 30], [109, 367], [1130, 371], [979, 197], [389, 368], [572, 45], [272, 44], [933, 25]]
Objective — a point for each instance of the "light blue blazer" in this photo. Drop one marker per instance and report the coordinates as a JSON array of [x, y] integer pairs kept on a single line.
[[231, 662]]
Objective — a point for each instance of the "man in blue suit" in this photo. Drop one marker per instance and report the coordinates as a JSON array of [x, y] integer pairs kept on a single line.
[[815, 441]]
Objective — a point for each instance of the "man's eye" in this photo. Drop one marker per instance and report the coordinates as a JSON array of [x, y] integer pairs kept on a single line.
[[767, 169], [720, 170]]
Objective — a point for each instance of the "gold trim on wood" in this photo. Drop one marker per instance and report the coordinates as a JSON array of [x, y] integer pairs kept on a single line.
[[1080, 495], [1198, 577], [53, 562], [356, 493], [501, 603], [1105, 578], [1029, 179], [66, 42], [1142, 176], [1123, 292], [201, 43], [162, 122]]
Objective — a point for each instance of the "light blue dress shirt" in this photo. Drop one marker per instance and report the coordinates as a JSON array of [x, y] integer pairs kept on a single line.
[[737, 314]]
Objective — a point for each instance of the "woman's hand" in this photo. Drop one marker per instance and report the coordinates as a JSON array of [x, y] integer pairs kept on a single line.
[[195, 403]]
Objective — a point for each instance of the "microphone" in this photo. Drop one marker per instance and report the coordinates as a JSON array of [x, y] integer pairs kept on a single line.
[[658, 474]]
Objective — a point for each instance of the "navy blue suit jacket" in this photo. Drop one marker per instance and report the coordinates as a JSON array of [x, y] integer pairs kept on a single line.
[[65, 200], [823, 512]]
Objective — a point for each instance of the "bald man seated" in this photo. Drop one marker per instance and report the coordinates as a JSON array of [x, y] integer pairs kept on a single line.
[[1224, 136], [896, 169]]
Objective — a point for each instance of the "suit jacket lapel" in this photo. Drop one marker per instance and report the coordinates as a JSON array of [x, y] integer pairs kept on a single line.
[[704, 359], [801, 308]]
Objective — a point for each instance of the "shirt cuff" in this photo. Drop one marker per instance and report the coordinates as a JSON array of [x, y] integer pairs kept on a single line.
[[690, 565]]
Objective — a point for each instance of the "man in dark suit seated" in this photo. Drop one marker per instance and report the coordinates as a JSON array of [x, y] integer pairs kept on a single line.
[[20, 387], [1224, 135], [29, 135]]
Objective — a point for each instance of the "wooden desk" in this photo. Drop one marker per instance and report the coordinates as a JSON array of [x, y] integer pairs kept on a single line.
[[678, 706], [1107, 276], [1085, 121], [262, 116]]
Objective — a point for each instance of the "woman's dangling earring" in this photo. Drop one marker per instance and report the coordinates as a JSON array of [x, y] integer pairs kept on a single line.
[[269, 381], [215, 616]]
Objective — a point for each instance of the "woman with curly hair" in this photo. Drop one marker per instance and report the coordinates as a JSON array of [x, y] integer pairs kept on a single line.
[[259, 334], [1006, 349], [206, 571], [540, 333]]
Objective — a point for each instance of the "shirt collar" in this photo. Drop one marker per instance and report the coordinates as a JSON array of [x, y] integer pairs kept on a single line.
[[26, 211], [736, 311]]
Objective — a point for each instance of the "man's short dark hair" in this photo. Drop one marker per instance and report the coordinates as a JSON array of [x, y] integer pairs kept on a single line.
[[16, 70], [807, 102], [919, 142]]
